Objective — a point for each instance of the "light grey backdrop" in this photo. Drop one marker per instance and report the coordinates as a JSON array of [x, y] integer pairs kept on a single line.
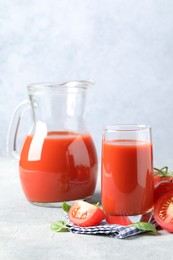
[[126, 46]]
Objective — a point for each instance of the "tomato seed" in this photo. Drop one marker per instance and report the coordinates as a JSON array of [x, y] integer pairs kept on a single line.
[[78, 214]]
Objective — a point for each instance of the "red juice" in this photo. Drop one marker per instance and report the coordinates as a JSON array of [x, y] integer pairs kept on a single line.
[[127, 179], [66, 169]]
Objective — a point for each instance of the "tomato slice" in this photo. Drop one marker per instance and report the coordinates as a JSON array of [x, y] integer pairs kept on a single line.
[[84, 214], [163, 211]]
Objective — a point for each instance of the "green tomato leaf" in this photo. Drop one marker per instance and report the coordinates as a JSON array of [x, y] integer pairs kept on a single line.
[[163, 172], [65, 207], [59, 226], [145, 227]]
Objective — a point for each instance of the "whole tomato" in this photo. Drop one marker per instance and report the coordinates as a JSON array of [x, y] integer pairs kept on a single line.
[[163, 182]]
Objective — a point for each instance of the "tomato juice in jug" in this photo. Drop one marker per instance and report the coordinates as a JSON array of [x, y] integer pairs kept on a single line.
[[65, 170]]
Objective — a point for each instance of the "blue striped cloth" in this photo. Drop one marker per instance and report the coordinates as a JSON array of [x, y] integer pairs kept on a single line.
[[111, 230]]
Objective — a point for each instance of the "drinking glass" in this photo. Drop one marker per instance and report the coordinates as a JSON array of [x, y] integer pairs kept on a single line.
[[127, 173]]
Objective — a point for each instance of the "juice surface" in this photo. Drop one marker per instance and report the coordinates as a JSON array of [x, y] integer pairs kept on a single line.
[[65, 168], [127, 179]]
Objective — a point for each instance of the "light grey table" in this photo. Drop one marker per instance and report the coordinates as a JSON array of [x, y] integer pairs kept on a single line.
[[25, 231]]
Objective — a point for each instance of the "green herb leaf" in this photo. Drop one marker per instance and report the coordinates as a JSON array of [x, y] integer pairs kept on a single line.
[[65, 207], [96, 204], [59, 226], [145, 227]]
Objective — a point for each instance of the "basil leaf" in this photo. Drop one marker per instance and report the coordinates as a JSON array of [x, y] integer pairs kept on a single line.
[[65, 207], [96, 204], [145, 227], [59, 226]]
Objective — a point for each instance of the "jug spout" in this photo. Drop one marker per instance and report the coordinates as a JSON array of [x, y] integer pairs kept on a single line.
[[78, 83]]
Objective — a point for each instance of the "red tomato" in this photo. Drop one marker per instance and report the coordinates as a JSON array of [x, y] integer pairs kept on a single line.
[[162, 187], [163, 211], [160, 174], [163, 182], [157, 179], [85, 214]]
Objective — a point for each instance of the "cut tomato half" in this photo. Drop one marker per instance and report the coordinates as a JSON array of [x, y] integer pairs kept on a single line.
[[84, 214], [163, 211]]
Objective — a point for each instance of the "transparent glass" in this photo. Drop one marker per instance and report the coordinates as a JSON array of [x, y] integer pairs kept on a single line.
[[127, 173], [58, 160]]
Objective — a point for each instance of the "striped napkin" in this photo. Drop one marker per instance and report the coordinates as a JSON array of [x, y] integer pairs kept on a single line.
[[111, 230]]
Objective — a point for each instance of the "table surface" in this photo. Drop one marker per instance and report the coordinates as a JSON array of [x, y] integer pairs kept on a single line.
[[25, 230]]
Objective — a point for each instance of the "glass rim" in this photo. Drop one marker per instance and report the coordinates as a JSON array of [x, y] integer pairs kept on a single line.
[[126, 128], [69, 85]]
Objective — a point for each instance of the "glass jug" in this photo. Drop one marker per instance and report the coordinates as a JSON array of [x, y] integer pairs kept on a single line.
[[58, 160]]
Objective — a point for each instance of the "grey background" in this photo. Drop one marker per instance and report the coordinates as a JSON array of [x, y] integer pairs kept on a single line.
[[126, 46]]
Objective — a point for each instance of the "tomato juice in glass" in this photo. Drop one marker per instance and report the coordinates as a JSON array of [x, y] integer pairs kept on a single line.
[[65, 170], [127, 171]]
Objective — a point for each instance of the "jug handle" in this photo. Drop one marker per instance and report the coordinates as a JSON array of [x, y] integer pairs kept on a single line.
[[13, 129]]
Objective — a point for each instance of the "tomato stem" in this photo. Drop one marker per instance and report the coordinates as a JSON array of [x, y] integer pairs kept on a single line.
[[163, 172]]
